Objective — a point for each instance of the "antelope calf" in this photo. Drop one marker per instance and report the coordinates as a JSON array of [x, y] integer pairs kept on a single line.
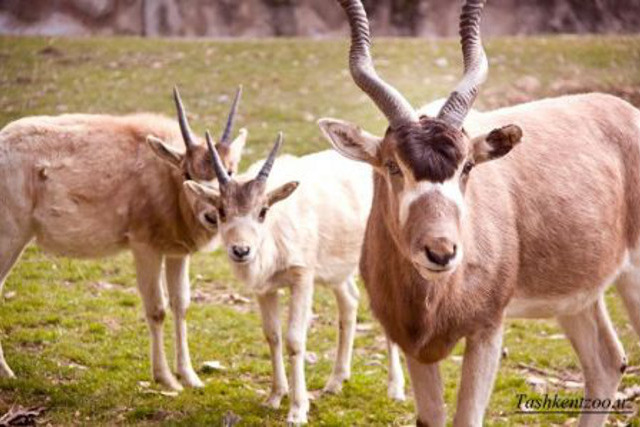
[[529, 211], [276, 236], [87, 186]]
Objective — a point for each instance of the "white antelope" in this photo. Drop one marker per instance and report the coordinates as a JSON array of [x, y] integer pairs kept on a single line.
[[90, 186], [315, 234], [456, 242]]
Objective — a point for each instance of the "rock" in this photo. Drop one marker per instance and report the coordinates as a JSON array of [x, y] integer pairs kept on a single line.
[[311, 358], [212, 365]]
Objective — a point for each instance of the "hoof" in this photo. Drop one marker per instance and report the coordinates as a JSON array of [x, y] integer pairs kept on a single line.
[[274, 399], [298, 416], [168, 381], [396, 392], [190, 379], [6, 372], [335, 383], [334, 386]]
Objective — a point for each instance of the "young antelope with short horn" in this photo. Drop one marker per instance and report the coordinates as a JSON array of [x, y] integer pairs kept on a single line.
[[88, 186], [305, 223]]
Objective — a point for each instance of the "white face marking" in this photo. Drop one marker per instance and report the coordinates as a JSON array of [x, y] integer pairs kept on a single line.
[[450, 189], [413, 190], [246, 225], [241, 231]]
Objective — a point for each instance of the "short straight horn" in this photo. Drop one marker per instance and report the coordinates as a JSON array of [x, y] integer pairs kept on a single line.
[[218, 167], [225, 139], [268, 164], [182, 119]]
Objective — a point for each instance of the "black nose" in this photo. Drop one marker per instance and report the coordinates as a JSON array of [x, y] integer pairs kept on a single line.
[[241, 251], [441, 257]]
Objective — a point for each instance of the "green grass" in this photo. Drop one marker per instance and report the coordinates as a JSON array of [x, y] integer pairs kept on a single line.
[[81, 350]]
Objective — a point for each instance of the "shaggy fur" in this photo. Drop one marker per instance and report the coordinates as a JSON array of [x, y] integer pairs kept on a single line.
[[430, 148]]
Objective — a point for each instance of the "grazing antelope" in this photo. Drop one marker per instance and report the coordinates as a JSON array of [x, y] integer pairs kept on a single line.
[[456, 242], [87, 186], [315, 234]]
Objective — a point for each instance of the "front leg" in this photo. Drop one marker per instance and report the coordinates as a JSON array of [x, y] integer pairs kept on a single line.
[[299, 315], [601, 355], [149, 276], [428, 392], [347, 297], [177, 275], [395, 382], [270, 313], [479, 367]]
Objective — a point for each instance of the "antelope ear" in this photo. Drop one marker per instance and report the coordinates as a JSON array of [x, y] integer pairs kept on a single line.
[[235, 150], [202, 193], [496, 143], [165, 151], [204, 203], [351, 141], [281, 192]]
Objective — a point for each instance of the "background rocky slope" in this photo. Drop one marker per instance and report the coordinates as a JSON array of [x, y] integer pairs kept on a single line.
[[256, 18]]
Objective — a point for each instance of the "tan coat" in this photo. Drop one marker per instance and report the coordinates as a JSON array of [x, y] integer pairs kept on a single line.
[[92, 185], [89, 185], [555, 217]]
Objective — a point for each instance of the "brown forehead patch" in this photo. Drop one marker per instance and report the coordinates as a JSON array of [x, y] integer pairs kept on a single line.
[[241, 198], [430, 148], [200, 161], [199, 164]]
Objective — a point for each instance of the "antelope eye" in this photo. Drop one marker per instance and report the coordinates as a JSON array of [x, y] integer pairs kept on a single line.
[[393, 167], [467, 168], [263, 213], [211, 219], [230, 173]]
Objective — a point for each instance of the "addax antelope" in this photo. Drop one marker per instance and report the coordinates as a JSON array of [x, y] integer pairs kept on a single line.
[[304, 224], [527, 211], [88, 186]]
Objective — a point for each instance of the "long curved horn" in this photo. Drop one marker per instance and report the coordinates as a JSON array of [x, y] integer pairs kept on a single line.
[[225, 139], [476, 66], [218, 167], [391, 102], [182, 119], [268, 164]]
